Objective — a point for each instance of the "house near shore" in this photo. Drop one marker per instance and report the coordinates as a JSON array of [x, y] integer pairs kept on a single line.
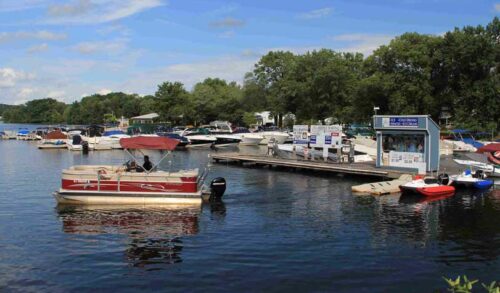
[[264, 118], [144, 119]]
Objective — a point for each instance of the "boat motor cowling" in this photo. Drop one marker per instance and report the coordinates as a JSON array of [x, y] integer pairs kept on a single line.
[[85, 147], [217, 187], [479, 174], [443, 179]]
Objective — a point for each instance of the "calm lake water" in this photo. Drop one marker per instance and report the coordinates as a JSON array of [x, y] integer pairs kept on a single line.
[[274, 231]]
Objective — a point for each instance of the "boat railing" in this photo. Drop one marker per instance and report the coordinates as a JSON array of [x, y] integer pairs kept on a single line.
[[202, 178]]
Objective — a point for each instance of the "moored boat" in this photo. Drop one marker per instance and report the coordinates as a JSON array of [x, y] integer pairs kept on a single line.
[[440, 190], [183, 141], [247, 137], [472, 180], [279, 137], [428, 186], [53, 140], [131, 184]]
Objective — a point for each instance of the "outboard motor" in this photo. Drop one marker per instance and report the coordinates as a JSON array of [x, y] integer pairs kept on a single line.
[[85, 147], [217, 188], [443, 179], [479, 174]]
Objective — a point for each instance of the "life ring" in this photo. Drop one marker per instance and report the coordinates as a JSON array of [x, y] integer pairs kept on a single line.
[[102, 172]]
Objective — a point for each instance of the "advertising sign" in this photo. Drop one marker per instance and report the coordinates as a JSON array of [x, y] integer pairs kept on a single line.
[[326, 136], [300, 133], [317, 131], [335, 131], [399, 122], [408, 160]]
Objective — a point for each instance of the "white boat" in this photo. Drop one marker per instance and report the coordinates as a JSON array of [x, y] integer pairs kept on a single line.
[[469, 179], [250, 138], [488, 168], [227, 139], [47, 144], [247, 137], [200, 140], [97, 143], [54, 140], [132, 184], [8, 134], [199, 137], [279, 137]]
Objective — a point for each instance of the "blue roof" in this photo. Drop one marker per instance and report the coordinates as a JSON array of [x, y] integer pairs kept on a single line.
[[460, 131]]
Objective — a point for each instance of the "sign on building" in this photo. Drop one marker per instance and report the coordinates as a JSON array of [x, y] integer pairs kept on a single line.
[[408, 160], [399, 122]]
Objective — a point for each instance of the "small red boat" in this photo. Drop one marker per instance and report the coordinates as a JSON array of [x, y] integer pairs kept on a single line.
[[440, 190]]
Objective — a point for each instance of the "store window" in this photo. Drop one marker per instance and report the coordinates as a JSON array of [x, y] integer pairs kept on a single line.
[[412, 143]]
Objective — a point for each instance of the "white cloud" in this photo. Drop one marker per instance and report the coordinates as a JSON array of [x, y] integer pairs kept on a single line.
[[114, 29], [18, 5], [38, 48], [6, 37], [230, 68], [104, 91], [84, 12], [227, 22], [72, 9], [25, 93], [226, 35], [107, 47], [362, 43], [55, 94], [318, 13], [496, 6], [9, 77]]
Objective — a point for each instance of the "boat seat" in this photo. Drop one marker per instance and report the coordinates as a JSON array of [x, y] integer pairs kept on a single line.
[[430, 180]]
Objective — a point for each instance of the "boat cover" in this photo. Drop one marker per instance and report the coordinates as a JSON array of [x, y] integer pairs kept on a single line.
[[490, 148], [56, 134], [112, 132], [149, 143]]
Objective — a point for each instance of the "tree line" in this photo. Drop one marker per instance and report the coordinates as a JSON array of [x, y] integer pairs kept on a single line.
[[457, 73]]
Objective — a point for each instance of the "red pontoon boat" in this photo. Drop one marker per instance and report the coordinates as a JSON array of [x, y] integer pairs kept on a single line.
[[126, 184]]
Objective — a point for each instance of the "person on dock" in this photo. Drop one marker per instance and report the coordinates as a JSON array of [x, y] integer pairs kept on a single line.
[[270, 146]]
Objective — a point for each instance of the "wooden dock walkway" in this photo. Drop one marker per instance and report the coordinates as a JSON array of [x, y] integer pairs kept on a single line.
[[363, 169]]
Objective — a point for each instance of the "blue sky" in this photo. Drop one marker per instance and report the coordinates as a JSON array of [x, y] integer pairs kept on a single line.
[[68, 49]]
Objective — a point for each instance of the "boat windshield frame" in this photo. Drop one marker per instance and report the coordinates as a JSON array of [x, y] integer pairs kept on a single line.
[[155, 166]]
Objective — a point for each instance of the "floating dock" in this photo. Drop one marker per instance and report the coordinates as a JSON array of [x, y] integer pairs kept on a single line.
[[362, 169]]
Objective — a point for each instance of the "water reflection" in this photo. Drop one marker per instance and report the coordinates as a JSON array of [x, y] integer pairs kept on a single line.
[[154, 234], [217, 208], [466, 224]]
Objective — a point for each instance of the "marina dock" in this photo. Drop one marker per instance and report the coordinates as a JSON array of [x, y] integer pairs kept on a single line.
[[361, 169]]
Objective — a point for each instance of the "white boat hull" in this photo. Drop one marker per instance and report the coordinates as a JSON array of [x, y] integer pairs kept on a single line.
[[249, 139], [125, 198], [279, 137]]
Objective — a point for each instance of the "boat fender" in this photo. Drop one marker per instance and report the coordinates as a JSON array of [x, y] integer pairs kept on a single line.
[[443, 179], [479, 174], [217, 187]]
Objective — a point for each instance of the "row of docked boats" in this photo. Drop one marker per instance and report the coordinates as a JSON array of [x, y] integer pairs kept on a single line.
[[75, 139]]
